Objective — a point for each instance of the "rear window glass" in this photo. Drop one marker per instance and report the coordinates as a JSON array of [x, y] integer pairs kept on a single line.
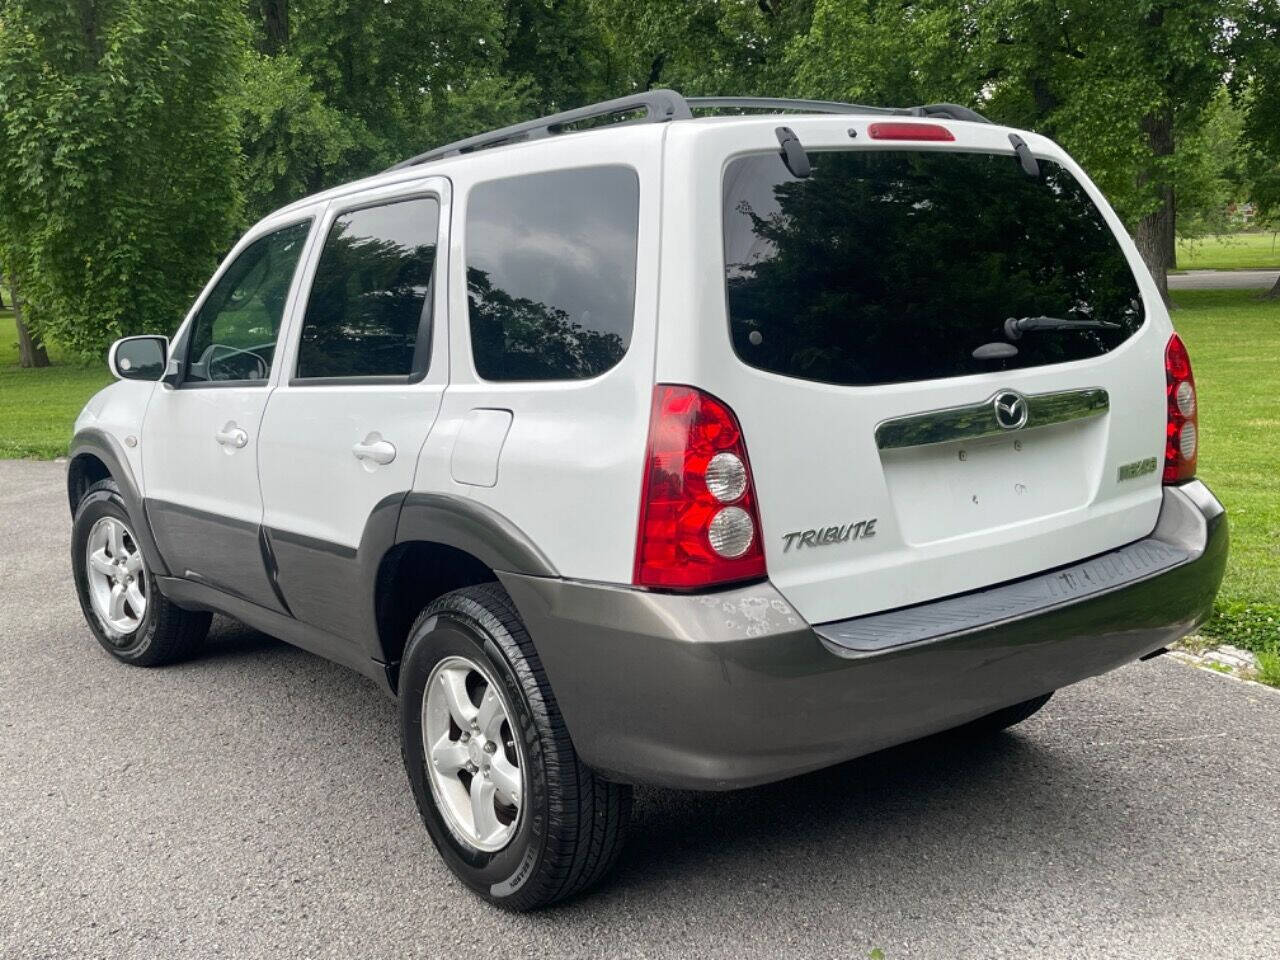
[[893, 266], [551, 272]]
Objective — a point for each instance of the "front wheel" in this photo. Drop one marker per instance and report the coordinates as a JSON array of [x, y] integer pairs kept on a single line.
[[122, 604], [512, 809]]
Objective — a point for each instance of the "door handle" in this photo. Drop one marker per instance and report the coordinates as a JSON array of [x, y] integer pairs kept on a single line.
[[232, 436], [373, 448]]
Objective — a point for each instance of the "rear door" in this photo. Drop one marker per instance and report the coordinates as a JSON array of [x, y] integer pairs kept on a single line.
[[365, 372], [906, 442]]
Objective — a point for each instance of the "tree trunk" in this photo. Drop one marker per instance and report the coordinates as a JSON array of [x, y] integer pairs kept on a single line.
[[31, 352], [275, 26], [1, 292], [1155, 234], [1274, 292]]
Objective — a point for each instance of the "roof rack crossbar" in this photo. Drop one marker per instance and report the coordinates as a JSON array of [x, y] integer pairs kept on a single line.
[[659, 106], [779, 103]]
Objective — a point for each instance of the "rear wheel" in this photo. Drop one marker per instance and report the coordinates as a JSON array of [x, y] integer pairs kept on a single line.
[[1008, 717], [512, 810], [129, 616]]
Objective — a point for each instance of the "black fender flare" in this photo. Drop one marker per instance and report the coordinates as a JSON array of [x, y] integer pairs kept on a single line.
[[474, 528], [94, 442]]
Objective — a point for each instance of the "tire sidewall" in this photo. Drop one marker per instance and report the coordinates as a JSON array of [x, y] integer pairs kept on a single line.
[[498, 876], [123, 646]]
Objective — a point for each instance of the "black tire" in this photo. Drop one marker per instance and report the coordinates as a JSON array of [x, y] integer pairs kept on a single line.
[[166, 633], [1003, 719], [573, 823]]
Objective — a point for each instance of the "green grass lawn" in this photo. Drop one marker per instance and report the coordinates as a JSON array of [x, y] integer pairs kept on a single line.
[[1234, 251], [38, 407], [1234, 341]]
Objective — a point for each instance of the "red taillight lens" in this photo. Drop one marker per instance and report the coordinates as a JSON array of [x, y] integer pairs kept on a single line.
[[699, 526], [1182, 427], [908, 131]]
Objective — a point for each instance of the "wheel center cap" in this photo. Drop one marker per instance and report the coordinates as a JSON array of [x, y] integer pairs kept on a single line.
[[475, 748]]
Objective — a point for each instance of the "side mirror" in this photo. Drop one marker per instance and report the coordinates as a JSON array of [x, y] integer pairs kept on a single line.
[[139, 358]]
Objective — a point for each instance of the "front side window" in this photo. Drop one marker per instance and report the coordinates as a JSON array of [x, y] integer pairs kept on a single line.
[[551, 272], [896, 265], [233, 336], [369, 310]]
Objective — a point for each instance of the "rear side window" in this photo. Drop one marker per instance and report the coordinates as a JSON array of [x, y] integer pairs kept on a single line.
[[894, 266], [551, 272], [369, 310]]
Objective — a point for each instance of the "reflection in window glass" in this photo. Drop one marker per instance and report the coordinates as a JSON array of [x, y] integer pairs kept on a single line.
[[893, 266], [372, 288], [234, 335], [551, 272]]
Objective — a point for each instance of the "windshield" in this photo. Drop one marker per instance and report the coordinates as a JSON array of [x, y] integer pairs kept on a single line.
[[893, 266]]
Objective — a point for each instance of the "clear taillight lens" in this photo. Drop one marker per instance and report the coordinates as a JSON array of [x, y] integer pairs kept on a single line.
[[699, 526], [1181, 432]]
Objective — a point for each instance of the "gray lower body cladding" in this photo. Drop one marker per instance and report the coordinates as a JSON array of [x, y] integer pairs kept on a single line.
[[732, 689]]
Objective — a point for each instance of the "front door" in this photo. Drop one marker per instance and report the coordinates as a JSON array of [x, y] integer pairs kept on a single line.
[[200, 436], [365, 373]]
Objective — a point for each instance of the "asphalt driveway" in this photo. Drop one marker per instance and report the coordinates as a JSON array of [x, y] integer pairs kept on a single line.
[[252, 804], [1223, 280]]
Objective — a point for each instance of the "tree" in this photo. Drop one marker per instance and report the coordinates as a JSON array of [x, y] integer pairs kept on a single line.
[[31, 350], [1120, 86], [704, 47], [118, 158], [1257, 82]]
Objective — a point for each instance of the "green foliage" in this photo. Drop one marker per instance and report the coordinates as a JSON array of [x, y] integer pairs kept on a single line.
[[1253, 625], [1269, 664], [118, 158], [1232, 251], [1234, 340], [293, 139], [705, 47]]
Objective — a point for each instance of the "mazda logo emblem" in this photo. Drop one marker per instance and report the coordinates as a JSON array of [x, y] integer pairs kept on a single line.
[[1011, 409]]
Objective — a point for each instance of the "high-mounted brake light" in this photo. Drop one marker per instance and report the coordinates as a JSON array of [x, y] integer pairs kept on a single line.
[[1181, 432], [699, 526], [908, 131]]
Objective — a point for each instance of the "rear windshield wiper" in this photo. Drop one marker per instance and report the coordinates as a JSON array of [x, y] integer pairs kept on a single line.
[[1015, 327]]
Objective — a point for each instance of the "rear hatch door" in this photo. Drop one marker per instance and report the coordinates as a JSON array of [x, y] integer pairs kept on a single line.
[[907, 442]]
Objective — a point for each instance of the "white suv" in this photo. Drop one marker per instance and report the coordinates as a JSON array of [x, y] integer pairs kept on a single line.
[[690, 451]]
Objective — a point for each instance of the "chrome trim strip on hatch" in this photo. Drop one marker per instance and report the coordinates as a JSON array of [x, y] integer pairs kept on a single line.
[[990, 417]]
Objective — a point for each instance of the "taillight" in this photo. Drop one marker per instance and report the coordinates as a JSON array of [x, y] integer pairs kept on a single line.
[[908, 131], [699, 526], [1181, 432]]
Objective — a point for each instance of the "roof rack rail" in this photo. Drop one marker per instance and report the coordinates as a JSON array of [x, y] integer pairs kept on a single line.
[[661, 106], [778, 103]]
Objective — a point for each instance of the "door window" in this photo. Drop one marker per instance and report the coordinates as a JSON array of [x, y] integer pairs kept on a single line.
[[234, 334], [369, 310]]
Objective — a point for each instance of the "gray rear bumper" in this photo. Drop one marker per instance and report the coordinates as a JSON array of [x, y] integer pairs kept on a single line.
[[731, 689]]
